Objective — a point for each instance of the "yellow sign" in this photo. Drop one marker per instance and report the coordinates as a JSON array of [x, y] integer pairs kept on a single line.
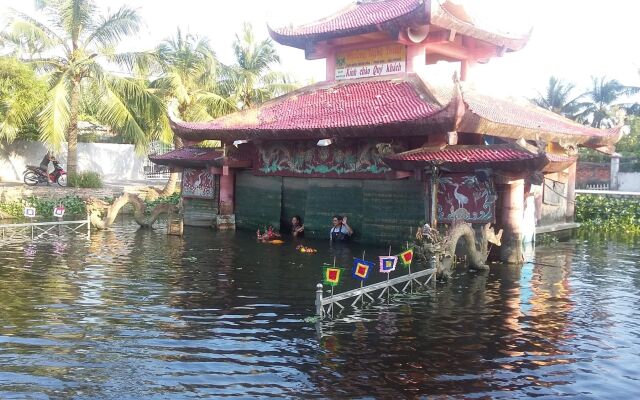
[[374, 61]]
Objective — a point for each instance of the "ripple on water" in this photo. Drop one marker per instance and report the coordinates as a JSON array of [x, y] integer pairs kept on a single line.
[[137, 314]]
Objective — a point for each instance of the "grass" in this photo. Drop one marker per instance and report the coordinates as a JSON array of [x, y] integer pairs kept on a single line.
[[89, 179]]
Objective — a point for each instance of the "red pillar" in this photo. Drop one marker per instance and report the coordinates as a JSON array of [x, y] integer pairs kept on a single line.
[[512, 214], [571, 192], [227, 188]]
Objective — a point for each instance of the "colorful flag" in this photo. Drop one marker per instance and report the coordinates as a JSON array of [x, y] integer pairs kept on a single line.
[[331, 275], [406, 257], [388, 263], [362, 269]]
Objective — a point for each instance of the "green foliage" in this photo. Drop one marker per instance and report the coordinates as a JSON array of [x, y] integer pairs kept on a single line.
[[558, 98], [606, 214], [21, 93], [79, 36], [87, 179], [252, 80], [173, 199], [13, 208], [74, 206]]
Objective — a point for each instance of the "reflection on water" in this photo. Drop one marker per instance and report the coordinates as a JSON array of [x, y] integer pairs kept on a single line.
[[137, 314]]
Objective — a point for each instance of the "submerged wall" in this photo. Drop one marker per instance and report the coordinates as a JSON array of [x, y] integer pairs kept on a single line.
[[379, 211]]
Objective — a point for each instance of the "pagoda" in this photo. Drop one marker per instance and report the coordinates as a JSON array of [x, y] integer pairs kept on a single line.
[[377, 142]]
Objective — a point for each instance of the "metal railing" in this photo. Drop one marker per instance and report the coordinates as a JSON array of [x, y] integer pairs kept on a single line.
[[37, 230], [325, 305]]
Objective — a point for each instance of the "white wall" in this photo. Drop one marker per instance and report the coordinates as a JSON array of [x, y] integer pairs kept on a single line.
[[112, 161], [629, 181]]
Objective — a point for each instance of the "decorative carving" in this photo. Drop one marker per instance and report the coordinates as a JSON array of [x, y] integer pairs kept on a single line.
[[466, 197]]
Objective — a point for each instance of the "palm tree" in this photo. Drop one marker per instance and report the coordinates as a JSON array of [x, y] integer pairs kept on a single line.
[[558, 98], [187, 79], [69, 47], [251, 80], [603, 103]]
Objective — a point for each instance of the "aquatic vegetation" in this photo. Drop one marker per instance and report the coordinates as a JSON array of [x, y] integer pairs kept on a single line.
[[608, 214]]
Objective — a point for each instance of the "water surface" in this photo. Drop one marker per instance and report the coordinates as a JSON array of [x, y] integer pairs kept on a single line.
[[138, 314]]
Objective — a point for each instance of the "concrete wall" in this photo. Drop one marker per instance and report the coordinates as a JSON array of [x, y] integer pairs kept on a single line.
[[112, 161], [629, 181]]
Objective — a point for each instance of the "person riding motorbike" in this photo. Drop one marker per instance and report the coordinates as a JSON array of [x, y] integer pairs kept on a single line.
[[44, 164]]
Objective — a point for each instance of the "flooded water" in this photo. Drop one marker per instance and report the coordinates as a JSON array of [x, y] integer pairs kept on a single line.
[[136, 314]]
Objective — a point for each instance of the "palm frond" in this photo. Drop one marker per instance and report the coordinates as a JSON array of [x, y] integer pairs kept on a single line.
[[115, 112], [56, 114], [215, 104], [75, 16], [111, 29], [28, 35]]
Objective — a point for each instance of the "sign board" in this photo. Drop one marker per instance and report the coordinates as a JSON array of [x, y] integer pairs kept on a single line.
[[374, 61], [29, 212], [58, 211]]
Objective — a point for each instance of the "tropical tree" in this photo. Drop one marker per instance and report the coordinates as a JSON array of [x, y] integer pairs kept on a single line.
[[251, 80], [558, 98], [71, 44], [603, 102], [21, 95], [187, 76]]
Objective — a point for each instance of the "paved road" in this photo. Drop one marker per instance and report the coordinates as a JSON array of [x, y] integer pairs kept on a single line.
[[107, 183]]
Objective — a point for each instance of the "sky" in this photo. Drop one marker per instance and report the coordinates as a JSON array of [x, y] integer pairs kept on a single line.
[[571, 39]]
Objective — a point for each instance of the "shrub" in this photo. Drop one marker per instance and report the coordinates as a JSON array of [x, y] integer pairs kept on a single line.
[[606, 214], [87, 179], [44, 207]]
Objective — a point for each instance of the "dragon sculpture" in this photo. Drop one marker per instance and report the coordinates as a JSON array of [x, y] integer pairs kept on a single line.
[[431, 246]]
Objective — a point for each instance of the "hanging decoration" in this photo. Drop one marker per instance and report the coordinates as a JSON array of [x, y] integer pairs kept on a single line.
[[331, 275], [406, 257], [362, 269], [388, 263], [466, 197]]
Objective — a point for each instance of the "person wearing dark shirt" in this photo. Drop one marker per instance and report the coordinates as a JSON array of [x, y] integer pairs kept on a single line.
[[297, 227], [340, 231]]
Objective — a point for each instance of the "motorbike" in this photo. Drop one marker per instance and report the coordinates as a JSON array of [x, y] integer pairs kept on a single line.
[[34, 175]]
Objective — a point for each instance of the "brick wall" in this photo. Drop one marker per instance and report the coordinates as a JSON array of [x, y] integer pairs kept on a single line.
[[589, 173]]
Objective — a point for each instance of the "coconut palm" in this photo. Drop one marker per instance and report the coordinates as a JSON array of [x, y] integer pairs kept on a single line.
[[69, 44], [251, 80], [603, 102], [558, 98], [186, 71]]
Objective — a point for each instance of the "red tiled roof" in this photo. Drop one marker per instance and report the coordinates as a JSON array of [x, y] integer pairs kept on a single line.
[[558, 162], [500, 117], [357, 18], [560, 157], [323, 110], [466, 154], [466, 157], [188, 157], [393, 106]]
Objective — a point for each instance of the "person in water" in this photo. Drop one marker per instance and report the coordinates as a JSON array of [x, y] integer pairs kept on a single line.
[[340, 231], [297, 227]]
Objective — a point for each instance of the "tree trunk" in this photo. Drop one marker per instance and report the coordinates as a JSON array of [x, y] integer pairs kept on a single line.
[[170, 186], [72, 135]]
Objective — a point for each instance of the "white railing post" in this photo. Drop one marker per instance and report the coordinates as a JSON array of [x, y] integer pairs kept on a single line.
[[319, 309]]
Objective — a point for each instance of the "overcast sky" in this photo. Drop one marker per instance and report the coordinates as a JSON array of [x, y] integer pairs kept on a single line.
[[572, 39]]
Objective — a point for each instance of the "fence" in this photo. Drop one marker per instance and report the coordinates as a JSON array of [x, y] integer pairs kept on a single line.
[[36, 230], [152, 170], [325, 306], [598, 186]]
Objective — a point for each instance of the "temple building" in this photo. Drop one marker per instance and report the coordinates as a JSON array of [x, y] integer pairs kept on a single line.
[[377, 142]]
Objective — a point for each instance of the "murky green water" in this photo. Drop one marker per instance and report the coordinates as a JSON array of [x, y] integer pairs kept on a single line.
[[136, 314]]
